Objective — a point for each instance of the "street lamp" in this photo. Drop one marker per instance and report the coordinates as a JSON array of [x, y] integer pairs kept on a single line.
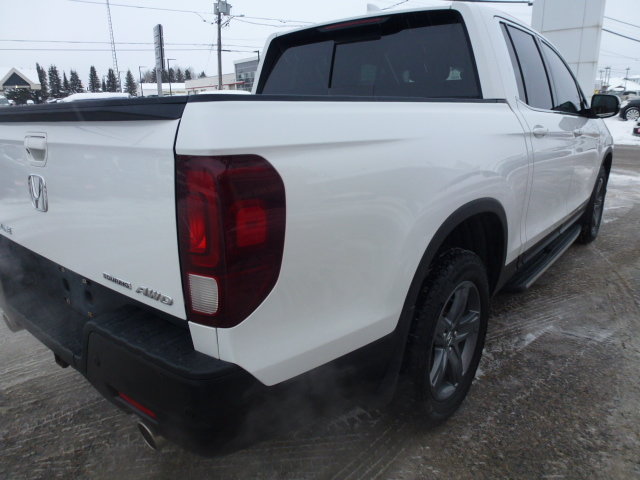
[[140, 72], [169, 75], [120, 72]]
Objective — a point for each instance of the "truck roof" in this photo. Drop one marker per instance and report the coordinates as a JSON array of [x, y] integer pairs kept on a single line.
[[460, 5]]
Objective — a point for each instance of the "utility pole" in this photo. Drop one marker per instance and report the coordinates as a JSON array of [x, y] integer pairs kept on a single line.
[[140, 72], [169, 75], [113, 47], [626, 77], [221, 8]]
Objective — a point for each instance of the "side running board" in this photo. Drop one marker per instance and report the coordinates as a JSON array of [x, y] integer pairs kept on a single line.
[[532, 270]]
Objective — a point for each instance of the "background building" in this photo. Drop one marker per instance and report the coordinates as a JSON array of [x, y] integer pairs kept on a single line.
[[11, 78], [246, 72], [150, 89], [575, 28], [209, 84]]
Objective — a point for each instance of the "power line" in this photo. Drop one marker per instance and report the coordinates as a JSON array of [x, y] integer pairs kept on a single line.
[[619, 55], [197, 12], [121, 50], [620, 21], [122, 43], [620, 35], [144, 7], [394, 5], [281, 20], [239, 19]]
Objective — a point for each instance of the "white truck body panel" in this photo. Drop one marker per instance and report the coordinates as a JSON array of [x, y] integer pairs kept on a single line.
[[110, 184], [383, 186]]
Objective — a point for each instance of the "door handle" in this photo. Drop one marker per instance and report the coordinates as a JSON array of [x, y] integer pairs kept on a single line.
[[539, 131], [35, 145], [577, 132]]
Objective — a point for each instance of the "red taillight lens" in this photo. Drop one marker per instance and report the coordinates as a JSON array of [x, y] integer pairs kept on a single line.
[[231, 222], [250, 223]]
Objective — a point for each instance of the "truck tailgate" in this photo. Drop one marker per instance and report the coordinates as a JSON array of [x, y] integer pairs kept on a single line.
[[91, 187]]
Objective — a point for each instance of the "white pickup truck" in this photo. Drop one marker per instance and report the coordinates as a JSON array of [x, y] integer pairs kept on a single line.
[[349, 221]]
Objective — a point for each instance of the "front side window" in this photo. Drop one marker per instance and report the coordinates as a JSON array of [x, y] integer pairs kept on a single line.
[[567, 97], [534, 75], [424, 54]]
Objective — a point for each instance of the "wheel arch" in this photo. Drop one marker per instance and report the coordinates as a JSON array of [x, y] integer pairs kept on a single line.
[[608, 160], [476, 209]]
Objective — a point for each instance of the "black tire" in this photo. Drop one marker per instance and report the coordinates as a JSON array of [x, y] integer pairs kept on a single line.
[[632, 114], [592, 217], [430, 343]]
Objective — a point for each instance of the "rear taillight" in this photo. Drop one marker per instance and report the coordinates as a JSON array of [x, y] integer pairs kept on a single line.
[[231, 222]]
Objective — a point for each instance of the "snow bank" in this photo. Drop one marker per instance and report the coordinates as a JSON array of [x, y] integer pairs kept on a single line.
[[94, 96], [622, 131]]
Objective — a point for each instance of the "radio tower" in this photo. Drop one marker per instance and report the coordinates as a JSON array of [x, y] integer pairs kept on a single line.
[[113, 48]]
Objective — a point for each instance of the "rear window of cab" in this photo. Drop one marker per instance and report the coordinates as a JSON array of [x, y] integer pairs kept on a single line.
[[418, 54]]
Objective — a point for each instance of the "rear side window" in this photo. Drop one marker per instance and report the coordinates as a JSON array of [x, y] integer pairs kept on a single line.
[[514, 63], [566, 94], [302, 70], [530, 63], [424, 54]]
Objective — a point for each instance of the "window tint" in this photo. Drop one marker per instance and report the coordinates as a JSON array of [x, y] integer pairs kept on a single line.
[[514, 63], [403, 56], [533, 72], [566, 95], [301, 70]]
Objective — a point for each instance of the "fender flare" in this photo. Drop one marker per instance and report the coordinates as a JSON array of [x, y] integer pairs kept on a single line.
[[401, 332]]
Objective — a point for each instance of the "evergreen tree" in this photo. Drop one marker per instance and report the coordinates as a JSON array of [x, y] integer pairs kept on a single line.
[[172, 75], [130, 85], [179, 75], [42, 79], [202, 74], [94, 81], [187, 74], [20, 95], [65, 85], [55, 84], [75, 84], [153, 78], [112, 82], [104, 86], [165, 76]]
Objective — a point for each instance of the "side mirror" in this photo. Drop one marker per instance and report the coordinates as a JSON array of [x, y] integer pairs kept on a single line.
[[605, 106]]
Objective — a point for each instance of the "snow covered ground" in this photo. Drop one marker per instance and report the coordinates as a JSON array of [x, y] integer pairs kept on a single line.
[[621, 131]]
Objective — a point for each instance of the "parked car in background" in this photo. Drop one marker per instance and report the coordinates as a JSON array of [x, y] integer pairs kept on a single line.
[[636, 129], [629, 95], [630, 110]]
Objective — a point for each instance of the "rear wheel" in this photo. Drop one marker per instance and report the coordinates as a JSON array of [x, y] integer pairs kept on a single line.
[[448, 333], [593, 215], [632, 114]]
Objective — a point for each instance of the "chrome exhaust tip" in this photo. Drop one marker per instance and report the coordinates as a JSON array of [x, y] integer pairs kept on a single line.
[[151, 439], [11, 323]]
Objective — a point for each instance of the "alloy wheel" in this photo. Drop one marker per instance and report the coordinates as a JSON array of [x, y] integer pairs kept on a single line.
[[454, 340]]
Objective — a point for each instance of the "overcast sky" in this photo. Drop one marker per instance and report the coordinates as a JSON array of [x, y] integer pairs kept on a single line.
[[46, 21]]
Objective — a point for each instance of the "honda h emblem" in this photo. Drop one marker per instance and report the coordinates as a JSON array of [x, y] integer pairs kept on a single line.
[[38, 192]]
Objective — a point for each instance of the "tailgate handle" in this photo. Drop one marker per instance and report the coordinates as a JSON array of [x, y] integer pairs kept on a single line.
[[35, 145]]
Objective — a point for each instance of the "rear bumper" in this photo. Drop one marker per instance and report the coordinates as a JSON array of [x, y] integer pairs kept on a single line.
[[204, 404], [192, 399]]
